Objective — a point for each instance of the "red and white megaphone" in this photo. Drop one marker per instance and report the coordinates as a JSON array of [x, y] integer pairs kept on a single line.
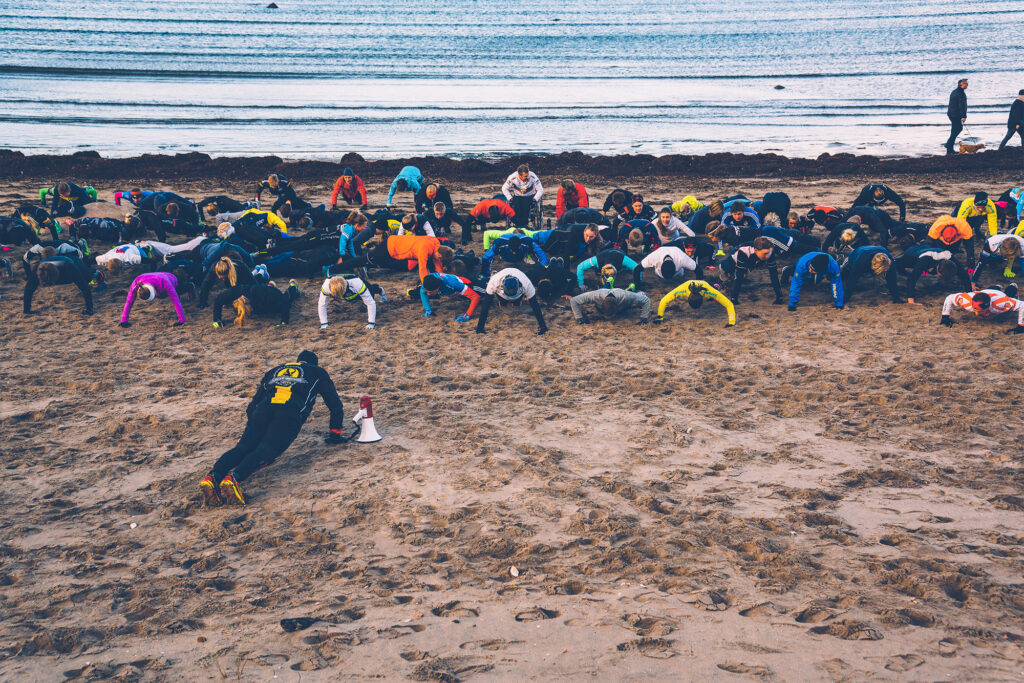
[[367, 430]]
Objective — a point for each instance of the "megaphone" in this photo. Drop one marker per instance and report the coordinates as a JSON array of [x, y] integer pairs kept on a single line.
[[367, 430]]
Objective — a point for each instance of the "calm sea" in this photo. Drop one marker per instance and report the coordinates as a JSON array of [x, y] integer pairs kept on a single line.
[[393, 78]]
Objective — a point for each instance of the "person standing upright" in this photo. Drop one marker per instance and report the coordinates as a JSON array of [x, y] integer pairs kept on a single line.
[[957, 113], [1015, 124]]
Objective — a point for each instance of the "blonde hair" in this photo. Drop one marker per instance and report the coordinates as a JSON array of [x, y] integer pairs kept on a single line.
[[49, 252], [223, 229], [337, 286], [848, 236], [1009, 248], [30, 221], [608, 270], [772, 219], [880, 264], [273, 180], [353, 216], [225, 269], [115, 265], [447, 255], [243, 310], [47, 273]]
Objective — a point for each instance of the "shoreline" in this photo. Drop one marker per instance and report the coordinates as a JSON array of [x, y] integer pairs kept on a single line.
[[90, 165]]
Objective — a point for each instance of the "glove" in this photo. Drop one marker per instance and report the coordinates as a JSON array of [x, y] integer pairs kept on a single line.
[[642, 321], [126, 323], [280, 324], [659, 319], [898, 301], [87, 312], [324, 326], [203, 305], [370, 326], [363, 207], [584, 320], [839, 307], [791, 307], [427, 314], [631, 288], [462, 318], [216, 325], [730, 324], [947, 321], [178, 324], [334, 207], [1016, 329], [778, 302], [541, 330], [334, 437]]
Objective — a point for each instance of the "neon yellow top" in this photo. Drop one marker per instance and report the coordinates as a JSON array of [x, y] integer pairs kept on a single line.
[[494, 234], [688, 200], [967, 210], [708, 292]]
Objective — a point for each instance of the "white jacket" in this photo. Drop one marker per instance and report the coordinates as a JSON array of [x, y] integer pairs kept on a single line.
[[494, 284], [530, 188], [128, 254], [357, 289], [1000, 304]]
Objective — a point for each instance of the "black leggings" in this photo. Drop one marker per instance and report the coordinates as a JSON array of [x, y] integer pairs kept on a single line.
[[955, 126], [268, 433], [1010, 132]]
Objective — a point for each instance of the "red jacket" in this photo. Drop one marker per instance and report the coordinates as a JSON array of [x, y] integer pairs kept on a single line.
[[480, 210], [581, 199], [354, 193]]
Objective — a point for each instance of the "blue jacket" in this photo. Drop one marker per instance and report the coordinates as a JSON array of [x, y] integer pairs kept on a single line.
[[345, 245], [777, 236], [502, 247], [614, 257], [413, 178], [803, 271], [450, 284]]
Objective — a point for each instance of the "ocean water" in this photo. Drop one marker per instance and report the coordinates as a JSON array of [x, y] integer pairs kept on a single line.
[[470, 78]]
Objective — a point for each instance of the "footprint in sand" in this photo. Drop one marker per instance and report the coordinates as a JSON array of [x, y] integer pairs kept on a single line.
[[655, 648], [456, 610], [536, 614], [399, 630], [648, 626], [903, 663], [848, 629], [814, 615], [755, 670], [763, 609], [716, 600], [493, 644]]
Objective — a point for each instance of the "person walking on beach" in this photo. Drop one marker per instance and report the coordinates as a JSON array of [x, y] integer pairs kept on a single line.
[[957, 113], [1015, 124]]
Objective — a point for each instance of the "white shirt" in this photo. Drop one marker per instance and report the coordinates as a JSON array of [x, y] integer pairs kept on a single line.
[[494, 284], [678, 256]]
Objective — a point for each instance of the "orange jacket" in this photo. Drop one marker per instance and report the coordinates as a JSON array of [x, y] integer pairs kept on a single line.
[[948, 230], [416, 247]]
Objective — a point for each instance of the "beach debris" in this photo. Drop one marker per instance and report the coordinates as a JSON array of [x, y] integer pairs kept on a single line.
[[513, 571], [272, 5], [297, 623], [132, 525], [780, 87]]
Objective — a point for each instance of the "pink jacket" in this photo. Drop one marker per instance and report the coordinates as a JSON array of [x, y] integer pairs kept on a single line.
[[165, 285]]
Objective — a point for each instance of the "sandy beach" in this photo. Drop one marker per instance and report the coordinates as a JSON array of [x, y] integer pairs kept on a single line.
[[818, 495]]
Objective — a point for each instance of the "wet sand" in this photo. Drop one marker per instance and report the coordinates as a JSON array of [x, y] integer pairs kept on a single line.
[[814, 495]]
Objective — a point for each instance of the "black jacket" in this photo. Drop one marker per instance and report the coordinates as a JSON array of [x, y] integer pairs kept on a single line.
[[295, 386], [957, 108], [69, 271], [424, 204], [1016, 114], [265, 300]]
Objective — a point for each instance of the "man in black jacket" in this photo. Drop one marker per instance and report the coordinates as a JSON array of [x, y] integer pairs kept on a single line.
[[276, 413], [1015, 124], [957, 112]]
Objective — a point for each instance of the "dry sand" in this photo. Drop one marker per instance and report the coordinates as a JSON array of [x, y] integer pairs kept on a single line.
[[815, 495]]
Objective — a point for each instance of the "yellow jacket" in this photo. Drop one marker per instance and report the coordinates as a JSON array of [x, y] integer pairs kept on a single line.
[[688, 200], [967, 210], [272, 218], [709, 292]]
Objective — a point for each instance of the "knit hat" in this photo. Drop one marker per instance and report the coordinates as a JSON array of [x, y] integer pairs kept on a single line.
[[819, 263], [511, 287], [308, 357], [347, 171], [667, 269], [147, 292], [980, 198]]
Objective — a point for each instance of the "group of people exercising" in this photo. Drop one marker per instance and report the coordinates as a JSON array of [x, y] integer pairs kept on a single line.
[[597, 259]]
